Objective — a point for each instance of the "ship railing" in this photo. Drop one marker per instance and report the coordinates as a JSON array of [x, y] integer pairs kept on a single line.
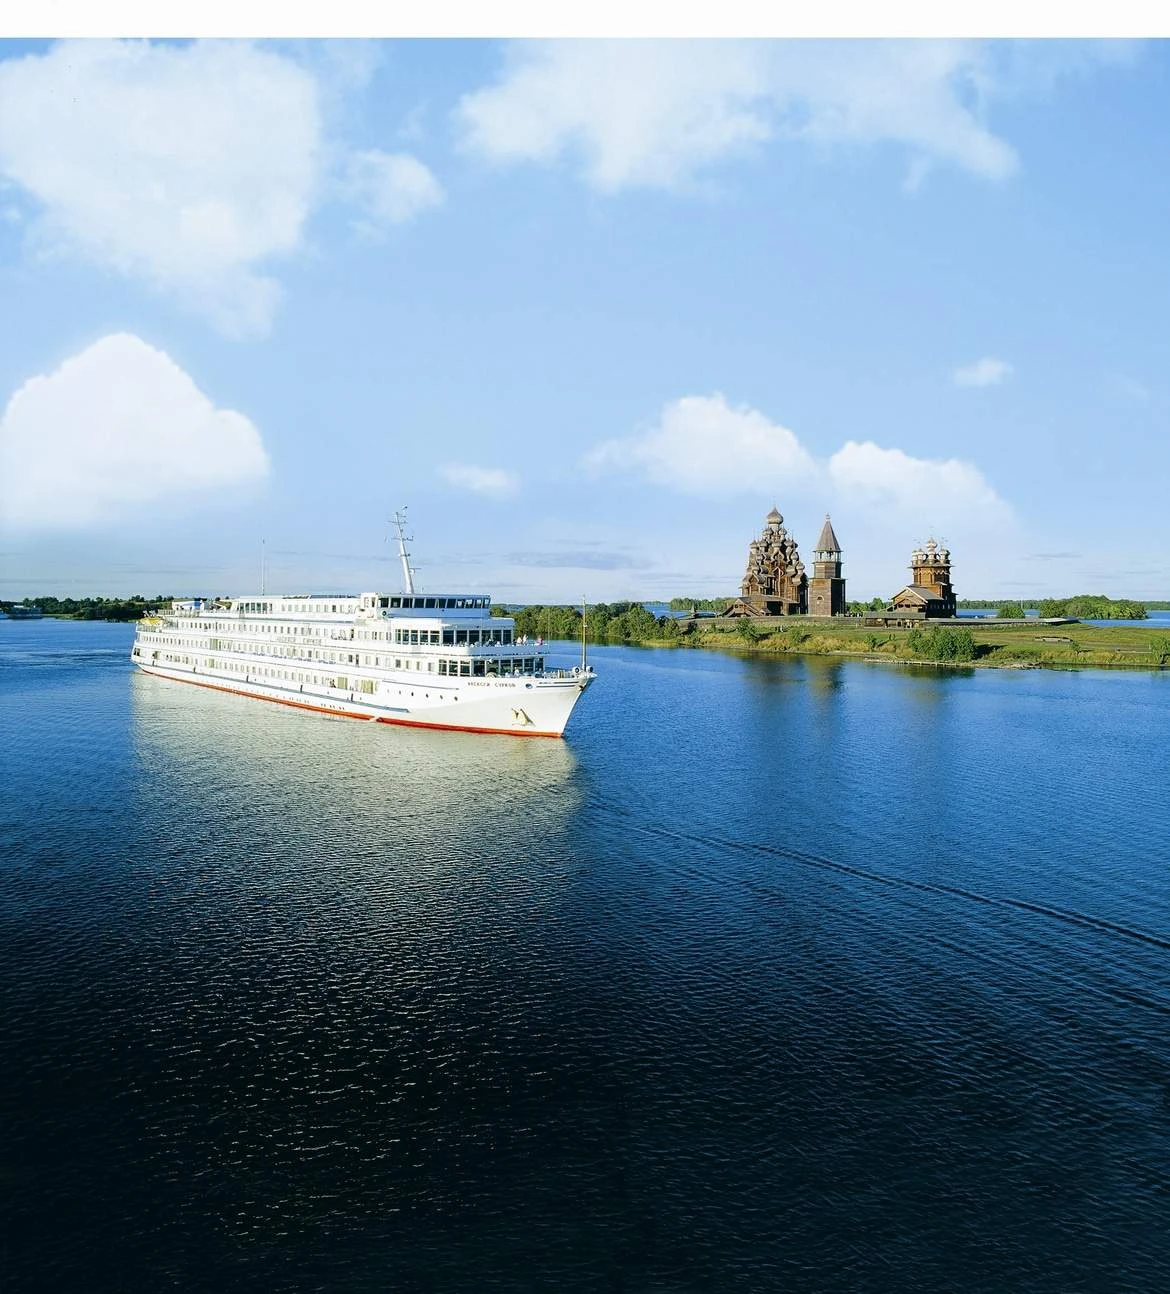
[[575, 672]]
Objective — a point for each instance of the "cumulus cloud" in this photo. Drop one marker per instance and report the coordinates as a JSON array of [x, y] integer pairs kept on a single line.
[[184, 166], [389, 188], [987, 371], [640, 112], [491, 481], [192, 168], [120, 424], [701, 445], [890, 477], [654, 113]]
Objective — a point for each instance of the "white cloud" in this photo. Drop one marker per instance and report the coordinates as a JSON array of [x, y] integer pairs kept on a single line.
[[702, 445], [491, 481], [987, 371], [389, 188], [117, 426], [949, 488], [184, 166], [641, 112], [193, 168], [654, 113]]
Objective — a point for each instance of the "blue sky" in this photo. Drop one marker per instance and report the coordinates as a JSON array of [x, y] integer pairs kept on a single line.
[[589, 308]]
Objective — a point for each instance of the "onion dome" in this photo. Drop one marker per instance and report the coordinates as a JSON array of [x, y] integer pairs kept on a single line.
[[774, 518]]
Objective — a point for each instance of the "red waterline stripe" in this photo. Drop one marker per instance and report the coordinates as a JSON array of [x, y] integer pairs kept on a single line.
[[349, 714]]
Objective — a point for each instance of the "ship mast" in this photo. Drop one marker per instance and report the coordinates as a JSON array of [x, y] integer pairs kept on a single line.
[[403, 555]]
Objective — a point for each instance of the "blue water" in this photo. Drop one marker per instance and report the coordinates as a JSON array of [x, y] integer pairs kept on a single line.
[[1153, 620], [776, 974]]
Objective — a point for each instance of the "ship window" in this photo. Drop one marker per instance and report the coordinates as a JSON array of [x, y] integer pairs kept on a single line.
[[435, 637], [448, 637], [464, 668], [395, 602], [414, 637], [478, 671], [430, 602], [461, 636], [383, 602], [442, 667]]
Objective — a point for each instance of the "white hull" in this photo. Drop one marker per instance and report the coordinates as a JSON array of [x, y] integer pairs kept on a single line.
[[521, 706]]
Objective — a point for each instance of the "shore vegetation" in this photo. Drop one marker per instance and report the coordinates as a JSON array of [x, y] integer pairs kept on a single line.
[[1018, 645], [122, 608]]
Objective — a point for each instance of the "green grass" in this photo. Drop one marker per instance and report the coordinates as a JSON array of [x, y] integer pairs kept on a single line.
[[1023, 646]]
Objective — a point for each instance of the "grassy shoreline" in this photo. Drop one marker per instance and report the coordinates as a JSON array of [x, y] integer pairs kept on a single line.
[[1004, 646]]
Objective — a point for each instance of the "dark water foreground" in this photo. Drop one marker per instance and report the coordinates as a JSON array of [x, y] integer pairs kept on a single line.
[[793, 974]]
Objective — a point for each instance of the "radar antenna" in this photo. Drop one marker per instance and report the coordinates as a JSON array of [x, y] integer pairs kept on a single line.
[[403, 555]]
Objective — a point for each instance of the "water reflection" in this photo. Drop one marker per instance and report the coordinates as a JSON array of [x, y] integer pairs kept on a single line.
[[273, 800]]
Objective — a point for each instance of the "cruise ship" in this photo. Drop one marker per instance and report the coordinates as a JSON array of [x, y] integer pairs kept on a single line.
[[429, 660]]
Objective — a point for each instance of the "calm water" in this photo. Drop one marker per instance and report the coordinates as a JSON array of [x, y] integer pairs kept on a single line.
[[1153, 620], [793, 975]]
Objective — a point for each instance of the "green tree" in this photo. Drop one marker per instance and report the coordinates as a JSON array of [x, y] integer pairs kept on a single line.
[[1094, 606], [941, 643], [1010, 611]]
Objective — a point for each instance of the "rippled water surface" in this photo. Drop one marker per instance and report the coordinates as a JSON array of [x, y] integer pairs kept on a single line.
[[795, 975]]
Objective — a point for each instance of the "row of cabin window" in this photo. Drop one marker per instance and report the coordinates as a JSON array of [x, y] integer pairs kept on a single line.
[[453, 637], [320, 608], [435, 604], [492, 668]]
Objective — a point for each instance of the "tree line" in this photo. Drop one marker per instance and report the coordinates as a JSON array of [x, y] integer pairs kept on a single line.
[[131, 608], [605, 622], [1081, 606]]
